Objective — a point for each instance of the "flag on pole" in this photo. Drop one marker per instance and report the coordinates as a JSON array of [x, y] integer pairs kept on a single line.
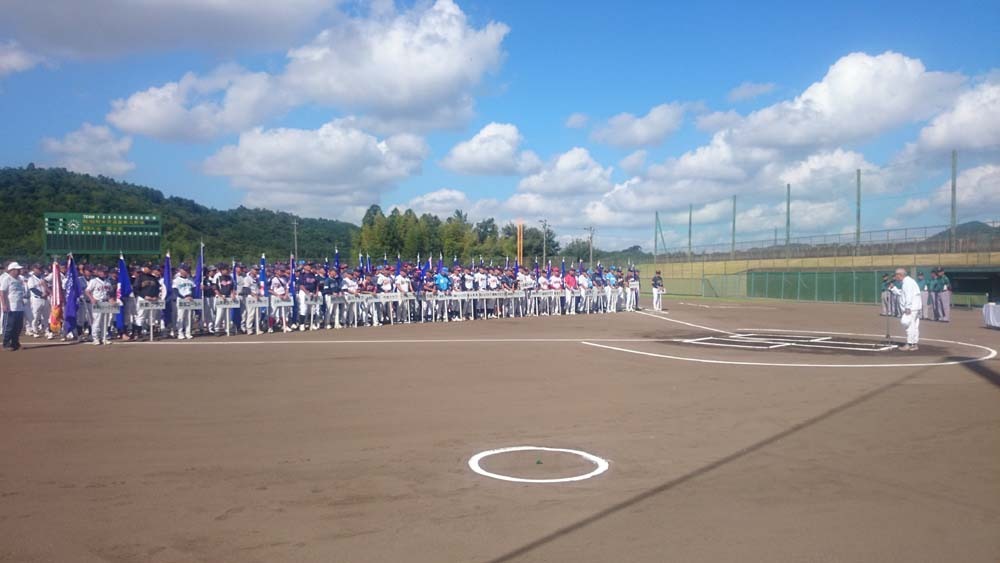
[[72, 296], [58, 301], [506, 262], [440, 262], [336, 259], [517, 268], [399, 265], [385, 259], [168, 283], [124, 292], [265, 290], [234, 314], [291, 287], [562, 268], [326, 267], [361, 262], [368, 259], [548, 273], [536, 269]]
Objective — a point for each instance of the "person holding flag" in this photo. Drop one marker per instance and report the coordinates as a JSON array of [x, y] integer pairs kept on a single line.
[[123, 293], [58, 299]]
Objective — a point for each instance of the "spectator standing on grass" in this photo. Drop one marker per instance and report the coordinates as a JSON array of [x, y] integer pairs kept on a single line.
[[908, 294], [12, 302]]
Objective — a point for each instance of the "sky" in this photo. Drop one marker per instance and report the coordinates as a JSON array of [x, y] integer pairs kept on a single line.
[[581, 113]]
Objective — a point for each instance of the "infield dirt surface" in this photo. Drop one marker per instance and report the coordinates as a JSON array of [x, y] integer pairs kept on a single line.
[[353, 445]]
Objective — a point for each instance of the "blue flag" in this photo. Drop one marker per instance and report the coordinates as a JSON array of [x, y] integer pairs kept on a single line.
[[124, 291], [234, 314], [265, 290], [72, 296], [199, 273], [368, 267], [536, 271], [168, 283], [399, 265], [562, 268], [326, 268], [336, 260], [361, 262], [291, 287], [517, 268]]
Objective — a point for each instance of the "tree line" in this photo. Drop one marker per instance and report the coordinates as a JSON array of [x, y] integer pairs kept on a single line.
[[27, 193]]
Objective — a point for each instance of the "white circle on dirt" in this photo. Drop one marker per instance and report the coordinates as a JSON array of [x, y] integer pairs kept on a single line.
[[601, 465]]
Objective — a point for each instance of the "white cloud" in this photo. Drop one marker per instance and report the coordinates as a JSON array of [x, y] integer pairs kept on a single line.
[[860, 97], [748, 90], [633, 163], [577, 121], [494, 150], [712, 122], [627, 130], [110, 27], [409, 71], [13, 58], [316, 171], [573, 172], [977, 192], [230, 99], [973, 123], [444, 202], [402, 65], [92, 149]]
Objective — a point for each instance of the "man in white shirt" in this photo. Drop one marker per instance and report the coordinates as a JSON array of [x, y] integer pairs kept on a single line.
[[402, 283], [12, 296], [100, 290], [39, 291], [909, 303], [184, 286]]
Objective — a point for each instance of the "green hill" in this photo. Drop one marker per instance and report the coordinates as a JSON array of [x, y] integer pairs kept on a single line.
[[27, 193]]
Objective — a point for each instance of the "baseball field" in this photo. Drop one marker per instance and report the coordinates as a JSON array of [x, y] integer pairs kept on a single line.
[[750, 431]]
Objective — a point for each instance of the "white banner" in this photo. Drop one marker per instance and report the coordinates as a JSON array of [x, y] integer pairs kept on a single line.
[[252, 301], [192, 304], [316, 300], [110, 307], [143, 305], [227, 302], [282, 301]]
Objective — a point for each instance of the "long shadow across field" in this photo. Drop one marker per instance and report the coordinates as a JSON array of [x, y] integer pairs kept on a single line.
[[673, 483]]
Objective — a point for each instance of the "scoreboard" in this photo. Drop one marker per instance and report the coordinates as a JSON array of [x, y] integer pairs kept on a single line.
[[102, 233]]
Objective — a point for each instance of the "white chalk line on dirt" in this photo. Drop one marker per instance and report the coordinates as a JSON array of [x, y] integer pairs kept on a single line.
[[211, 341], [703, 306], [662, 318], [990, 354], [601, 464]]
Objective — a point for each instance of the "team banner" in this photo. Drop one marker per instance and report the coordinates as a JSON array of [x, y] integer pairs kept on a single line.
[[282, 301], [254, 301], [189, 304], [144, 305], [227, 302], [314, 300], [107, 307]]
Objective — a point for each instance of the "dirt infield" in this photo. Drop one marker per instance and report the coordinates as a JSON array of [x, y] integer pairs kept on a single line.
[[354, 445]]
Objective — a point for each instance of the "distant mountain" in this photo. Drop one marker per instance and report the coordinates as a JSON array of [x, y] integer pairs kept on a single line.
[[27, 193], [972, 229]]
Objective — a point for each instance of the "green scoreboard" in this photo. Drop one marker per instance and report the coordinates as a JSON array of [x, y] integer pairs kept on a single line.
[[102, 233]]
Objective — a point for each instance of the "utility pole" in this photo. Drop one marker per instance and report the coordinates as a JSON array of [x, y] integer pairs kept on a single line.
[[295, 236], [954, 199], [545, 239], [690, 217], [656, 234], [857, 222], [732, 251], [788, 214], [591, 241]]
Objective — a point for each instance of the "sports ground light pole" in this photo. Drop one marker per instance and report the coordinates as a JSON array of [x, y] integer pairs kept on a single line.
[[545, 238]]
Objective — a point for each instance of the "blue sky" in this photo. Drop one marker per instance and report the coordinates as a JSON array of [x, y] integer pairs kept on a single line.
[[323, 108]]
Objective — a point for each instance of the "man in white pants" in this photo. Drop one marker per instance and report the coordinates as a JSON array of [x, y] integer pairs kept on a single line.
[[909, 303], [100, 290], [184, 286]]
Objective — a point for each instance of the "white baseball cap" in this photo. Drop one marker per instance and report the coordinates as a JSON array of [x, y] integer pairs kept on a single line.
[[14, 266]]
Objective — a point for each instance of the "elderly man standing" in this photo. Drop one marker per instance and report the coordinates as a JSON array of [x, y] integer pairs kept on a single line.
[[908, 295], [12, 302]]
